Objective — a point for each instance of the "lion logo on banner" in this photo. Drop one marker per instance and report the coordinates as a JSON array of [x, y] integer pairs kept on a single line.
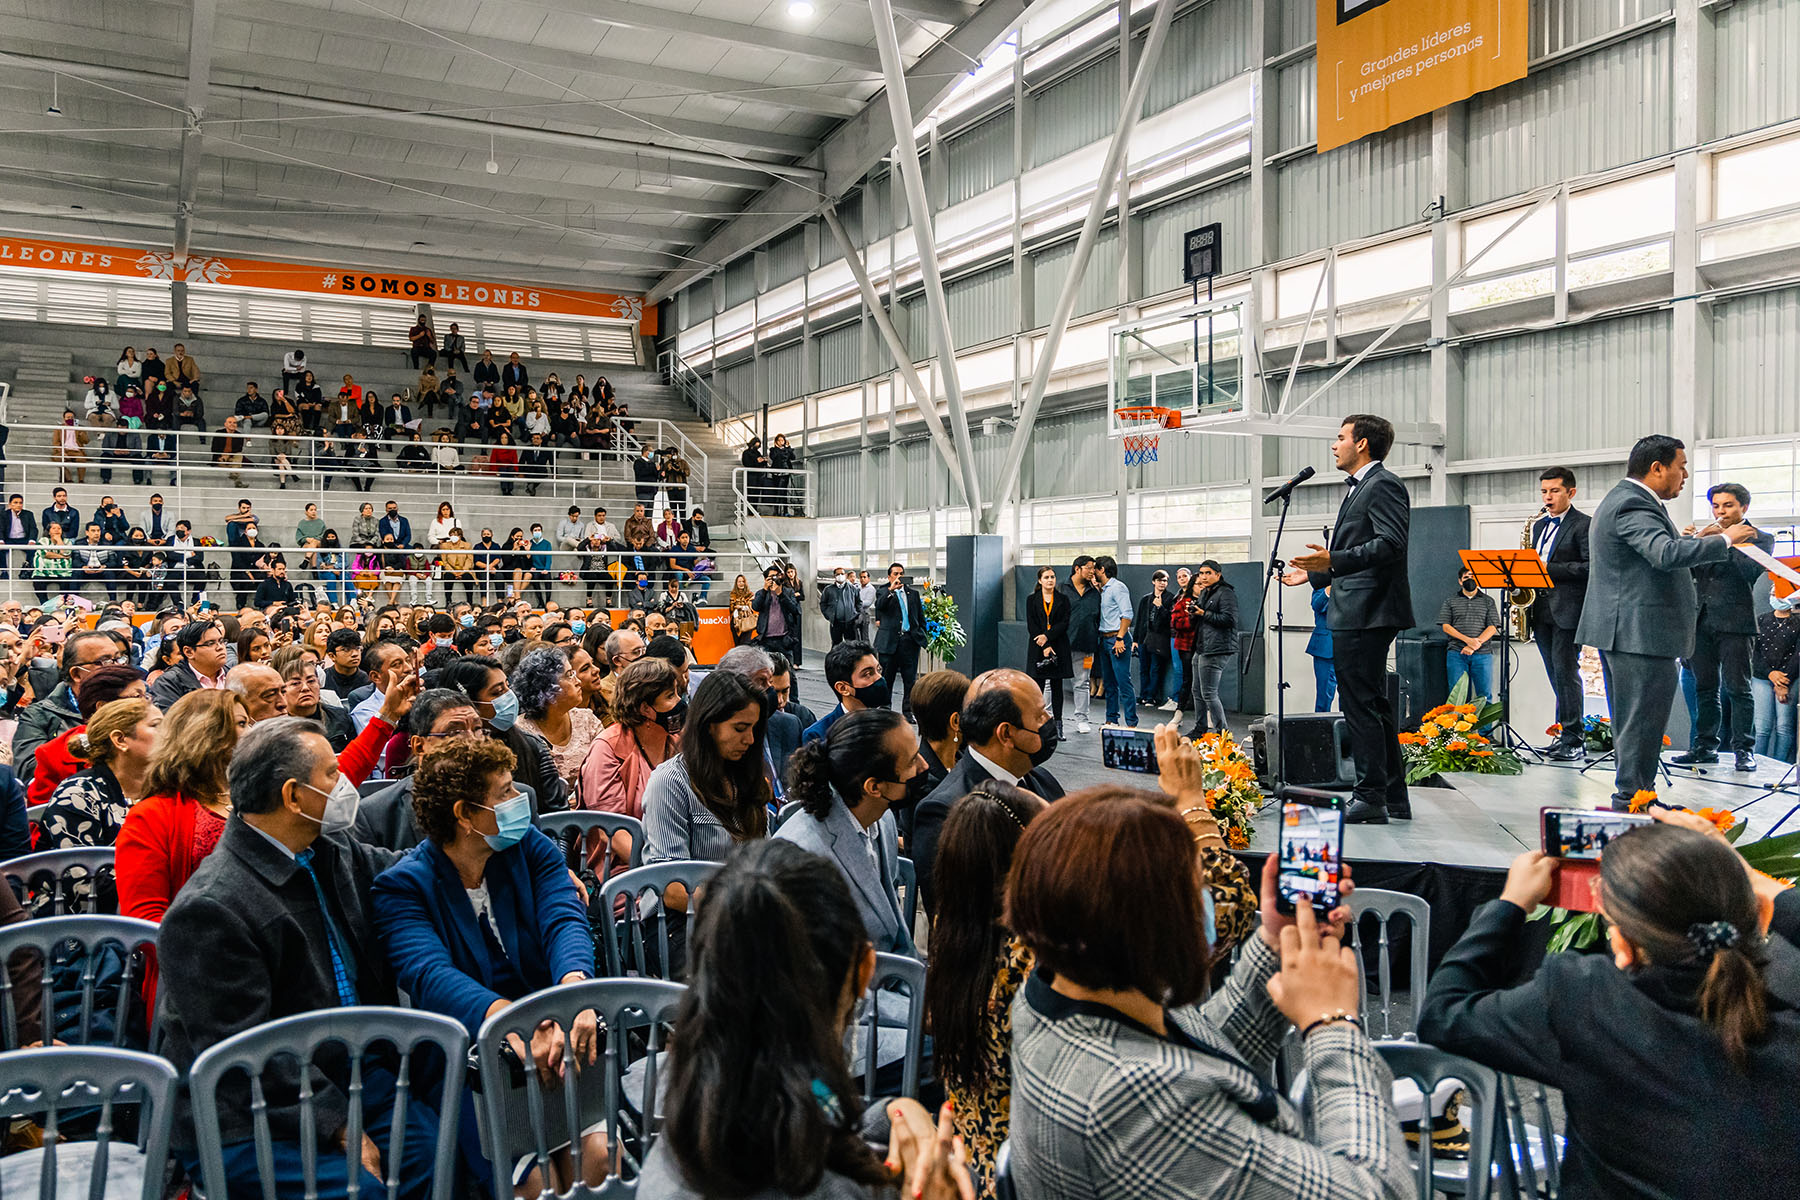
[[157, 265], [629, 306]]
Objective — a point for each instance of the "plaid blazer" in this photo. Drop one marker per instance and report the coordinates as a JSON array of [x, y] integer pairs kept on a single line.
[[1104, 1109]]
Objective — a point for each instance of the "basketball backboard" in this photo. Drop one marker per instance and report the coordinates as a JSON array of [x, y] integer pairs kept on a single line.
[[1193, 360]]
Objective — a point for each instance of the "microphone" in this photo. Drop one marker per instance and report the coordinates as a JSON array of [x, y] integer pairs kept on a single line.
[[1287, 489]]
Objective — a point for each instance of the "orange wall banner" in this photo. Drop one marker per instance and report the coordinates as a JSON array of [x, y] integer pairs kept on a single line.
[[348, 279], [1382, 62]]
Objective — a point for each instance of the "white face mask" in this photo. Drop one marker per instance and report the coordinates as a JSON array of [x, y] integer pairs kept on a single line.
[[341, 805]]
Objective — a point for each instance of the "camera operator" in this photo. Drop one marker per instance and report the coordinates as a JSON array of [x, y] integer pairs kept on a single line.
[[777, 615]]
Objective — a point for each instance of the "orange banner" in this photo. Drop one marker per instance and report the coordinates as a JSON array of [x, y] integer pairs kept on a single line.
[[1382, 62], [347, 279]]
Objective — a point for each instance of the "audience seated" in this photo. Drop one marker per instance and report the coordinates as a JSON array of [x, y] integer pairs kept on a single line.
[[937, 707], [280, 922], [484, 683], [58, 712], [844, 785], [782, 735], [1124, 1083], [780, 959], [550, 693], [854, 674], [483, 913], [1008, 734], [1691, 1012], [645, 733], [89, 807], [440, 719], [54, 762]]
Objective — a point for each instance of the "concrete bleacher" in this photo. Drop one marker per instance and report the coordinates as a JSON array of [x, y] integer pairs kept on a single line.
[[31, 357]]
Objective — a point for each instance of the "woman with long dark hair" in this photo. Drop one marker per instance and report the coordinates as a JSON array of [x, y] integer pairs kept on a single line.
[[760, 1099], [1692, 1014], [845, 784], [713, 794], [1047, 658], [977, 967]]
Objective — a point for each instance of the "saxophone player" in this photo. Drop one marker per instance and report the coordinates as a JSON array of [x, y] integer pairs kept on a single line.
[[1724, 628], [1560, 536]]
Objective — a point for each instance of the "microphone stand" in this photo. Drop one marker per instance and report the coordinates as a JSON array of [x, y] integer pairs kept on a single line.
[[1278, 768]]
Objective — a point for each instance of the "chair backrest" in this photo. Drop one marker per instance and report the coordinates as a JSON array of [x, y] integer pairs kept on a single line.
[[351, 1031], [44, 1082], [56, 883], [634, 1022], [634, 899], [781, 817], [369, 787], [1003, 1184], [1535, 1147], [901, 980], [906, 879], [586, 837], [84, 955], [1384, 907], [1427, 1066]]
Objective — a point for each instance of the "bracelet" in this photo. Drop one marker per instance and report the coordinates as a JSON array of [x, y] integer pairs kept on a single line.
[[1332, 1019]]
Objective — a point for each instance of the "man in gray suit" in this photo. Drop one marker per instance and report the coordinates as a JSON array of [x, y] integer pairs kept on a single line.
[[1640, 602]]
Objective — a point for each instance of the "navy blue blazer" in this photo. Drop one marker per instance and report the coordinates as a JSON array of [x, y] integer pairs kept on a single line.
[[435, 946]]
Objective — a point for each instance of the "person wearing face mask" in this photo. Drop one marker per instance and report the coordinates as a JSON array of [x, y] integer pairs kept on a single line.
[[483, 913], [440, 718], [1471, 620], [483, 681], [550, 706], [1774, 668], [646, 735], [840, 602], [279, 922], [846, 784], [854, 674], [1008, 735]]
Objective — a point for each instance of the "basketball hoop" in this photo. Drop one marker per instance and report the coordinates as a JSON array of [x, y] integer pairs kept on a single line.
[[1148, 421]]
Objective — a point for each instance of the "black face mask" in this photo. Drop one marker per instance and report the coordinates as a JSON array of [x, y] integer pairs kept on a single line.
[[1468, 585], [1049, 734], [673, 720], [874, 695]]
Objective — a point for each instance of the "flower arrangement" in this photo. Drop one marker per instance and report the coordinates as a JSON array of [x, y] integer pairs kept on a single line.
[[1448, 740], [1778, 857], [1596, 733], [1231, 788], [941, 626]]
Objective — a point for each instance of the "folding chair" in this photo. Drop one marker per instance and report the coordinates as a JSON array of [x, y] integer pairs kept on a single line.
[[41, 1084]]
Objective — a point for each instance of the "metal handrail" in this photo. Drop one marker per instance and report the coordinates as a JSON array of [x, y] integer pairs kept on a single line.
[[748, 501], [678, 373]]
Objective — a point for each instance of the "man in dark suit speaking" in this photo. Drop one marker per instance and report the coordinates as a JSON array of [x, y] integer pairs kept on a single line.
[[1560, 537], [1371, 602], [1640, 603]]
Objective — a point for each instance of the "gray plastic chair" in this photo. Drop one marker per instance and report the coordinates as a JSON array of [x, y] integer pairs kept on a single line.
[[61, 941], [1003, 1184], [43, 1083], [62, 879], [906, 879], [909, 975], [582, 827], [355, 1030], [1385, 906], [1427, 1067], [787, 810], [636, 1015], [624, 931], [369, 787], [1535, 1148]]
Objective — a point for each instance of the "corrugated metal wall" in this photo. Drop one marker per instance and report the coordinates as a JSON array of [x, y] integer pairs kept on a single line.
[[1069, 455], [1205, 47], [980, 306], [737, 283], [1297, 84], [1754, 48], [840, 355], [784, 373], [1099, 284], [1583, 387], [1398, 388], [1379, 183], [1756, 361], [1191, 459], [916, 328], [1161, 229], [1558, 24], [787, 257], [839, 483], [916, 484], [979, 157], [1613, 106], [1297, 24], [850, 213], [1077, 109], [738, 385]]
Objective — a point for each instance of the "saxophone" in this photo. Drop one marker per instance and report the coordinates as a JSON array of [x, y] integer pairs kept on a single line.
[[1523, 598]]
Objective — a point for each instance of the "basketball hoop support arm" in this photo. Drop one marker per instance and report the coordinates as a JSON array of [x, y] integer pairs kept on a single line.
[[1084, 248]]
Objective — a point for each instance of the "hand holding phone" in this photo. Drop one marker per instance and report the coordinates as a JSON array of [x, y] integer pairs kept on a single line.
[[1310, 850], [1573, 841], [1123, 749]]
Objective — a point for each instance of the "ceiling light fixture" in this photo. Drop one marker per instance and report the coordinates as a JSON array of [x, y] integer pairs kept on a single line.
[[493, 168], [800, 9], [55, 109]]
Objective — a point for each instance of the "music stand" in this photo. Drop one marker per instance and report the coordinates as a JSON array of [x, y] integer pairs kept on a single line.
[[1506, 570]]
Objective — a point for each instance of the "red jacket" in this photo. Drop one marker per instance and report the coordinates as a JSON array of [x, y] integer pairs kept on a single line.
[[1183, 625], [53, 764]]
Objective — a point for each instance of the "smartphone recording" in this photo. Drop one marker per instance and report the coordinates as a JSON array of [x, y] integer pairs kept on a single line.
[[1311, 849], [1123, 749], [1582, 833]]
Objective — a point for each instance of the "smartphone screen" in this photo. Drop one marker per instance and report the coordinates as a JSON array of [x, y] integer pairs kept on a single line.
[[1582, 833], [1123, 749], [1312, 845]]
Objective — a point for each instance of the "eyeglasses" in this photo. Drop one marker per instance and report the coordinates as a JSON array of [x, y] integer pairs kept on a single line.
[[209, 644]]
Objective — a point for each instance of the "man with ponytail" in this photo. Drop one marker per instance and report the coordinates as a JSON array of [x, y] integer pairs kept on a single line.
[[1692, 1013], [845, 785]]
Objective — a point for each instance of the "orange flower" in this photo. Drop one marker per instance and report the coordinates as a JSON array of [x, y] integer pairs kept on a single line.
[[1428, 730], [1236, 838], [1464, 726], [1723, 819], [1666, 740], [1641, 801], [1457, 744], [1481, 754], [1476, 737], [1554, 729], [1468, 710]]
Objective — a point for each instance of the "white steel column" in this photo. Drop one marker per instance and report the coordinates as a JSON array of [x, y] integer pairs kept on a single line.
[[1691, 324], [906, 162], [1084, 249]]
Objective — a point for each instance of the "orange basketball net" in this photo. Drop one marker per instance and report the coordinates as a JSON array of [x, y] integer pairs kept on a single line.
[[1146, 424]]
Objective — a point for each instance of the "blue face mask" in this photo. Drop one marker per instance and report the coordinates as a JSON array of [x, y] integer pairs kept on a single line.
[[494, 640], [468, 620], [506, 711], [512, 817], [578, 627], [1209, 915]]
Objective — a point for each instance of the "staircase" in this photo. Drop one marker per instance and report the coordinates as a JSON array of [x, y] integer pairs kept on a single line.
[[41, 381]]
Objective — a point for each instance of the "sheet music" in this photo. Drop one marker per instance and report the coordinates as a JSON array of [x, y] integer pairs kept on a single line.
[[1770, 563]]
